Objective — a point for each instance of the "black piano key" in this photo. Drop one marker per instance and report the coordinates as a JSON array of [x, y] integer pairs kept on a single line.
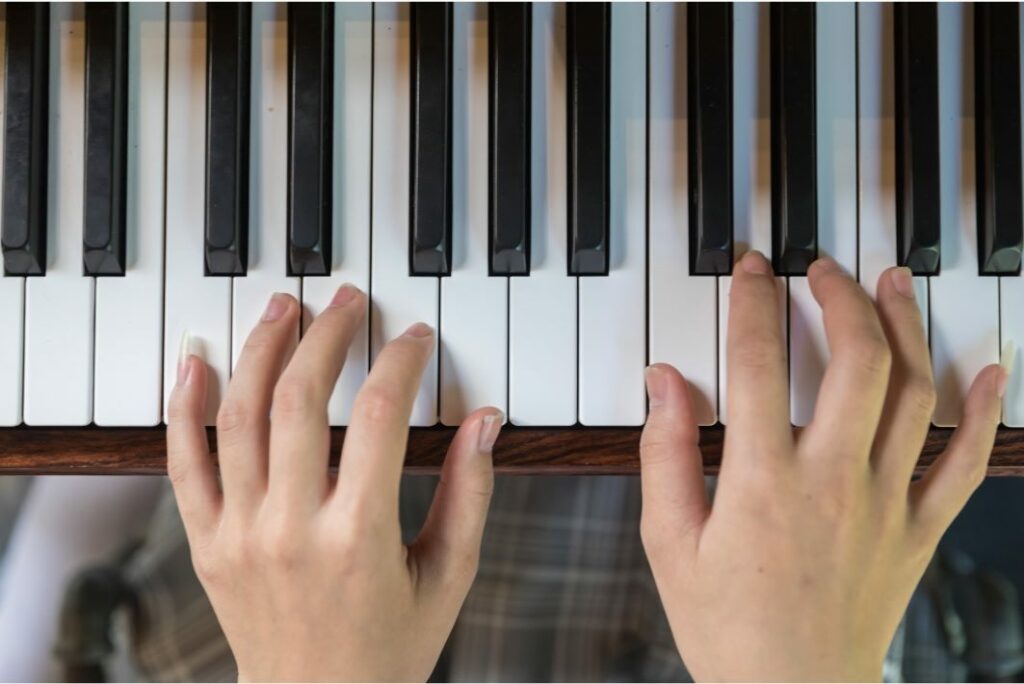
[[106, 138], [26, 118], [794, 128], [510, 45], [998, 138], [916, 56], [228, 55], [588, 48], [430, 183], [310, 115], [709, 54]]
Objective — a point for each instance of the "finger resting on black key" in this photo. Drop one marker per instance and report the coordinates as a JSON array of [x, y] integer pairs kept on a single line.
[[757, 373], [376, 439], [243, 419], [911, 396], [854, 386], [300, 434]]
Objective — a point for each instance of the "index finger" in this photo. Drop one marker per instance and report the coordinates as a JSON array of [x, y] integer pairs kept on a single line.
[[757, 375], [375, 441]]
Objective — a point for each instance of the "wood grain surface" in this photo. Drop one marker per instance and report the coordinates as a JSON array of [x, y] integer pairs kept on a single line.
[[581, 450]]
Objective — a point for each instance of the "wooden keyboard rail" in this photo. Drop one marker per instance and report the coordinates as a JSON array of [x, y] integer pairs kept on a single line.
[[94, 450]]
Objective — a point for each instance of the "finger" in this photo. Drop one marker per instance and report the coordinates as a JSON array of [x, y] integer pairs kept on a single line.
[[857, 377], [938, 496], [300, 437], [757, 375], [449, 544], [374, 451], [189, 465], [910, 399], [675, 503], [243, 421]]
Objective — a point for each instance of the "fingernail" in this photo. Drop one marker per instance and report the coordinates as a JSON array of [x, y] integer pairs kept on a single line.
[[1006, 364], [419, 330], [345, 294], [276, 307], [657, 386], [903, 282], [490, 426], [755, 262], [184, 354]]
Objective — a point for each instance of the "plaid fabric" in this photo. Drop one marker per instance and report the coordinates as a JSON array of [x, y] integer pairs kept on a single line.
[[564, 593]]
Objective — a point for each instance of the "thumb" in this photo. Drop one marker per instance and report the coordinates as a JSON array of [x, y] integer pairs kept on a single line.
[[448, 546], [675, 503], [947, 485]]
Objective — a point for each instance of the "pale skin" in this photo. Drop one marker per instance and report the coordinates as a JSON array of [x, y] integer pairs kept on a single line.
[[800, 570]]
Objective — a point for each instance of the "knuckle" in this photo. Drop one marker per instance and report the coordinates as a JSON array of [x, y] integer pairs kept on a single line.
[[281, 547], [232, 417], [257, 344], [656, 447], [178, 410], [761, 352], [344, 547], [376, 404], [648, 534], [209, 567], [871, 355], [836, 507], [479, 486], [921, 394], [294, 396], [177, 472], [841, 501], [974, 473], [239, 550]]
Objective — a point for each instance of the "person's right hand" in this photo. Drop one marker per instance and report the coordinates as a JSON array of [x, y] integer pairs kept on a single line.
[[308, 574], [804, 565]]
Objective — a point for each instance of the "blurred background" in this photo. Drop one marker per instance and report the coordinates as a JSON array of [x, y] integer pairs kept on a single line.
[[96, 584]]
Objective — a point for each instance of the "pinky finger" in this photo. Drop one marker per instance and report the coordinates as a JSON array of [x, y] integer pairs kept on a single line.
[[939, 496], [189, 465]]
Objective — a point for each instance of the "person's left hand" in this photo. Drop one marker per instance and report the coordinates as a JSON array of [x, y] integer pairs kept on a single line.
[[308, 575]]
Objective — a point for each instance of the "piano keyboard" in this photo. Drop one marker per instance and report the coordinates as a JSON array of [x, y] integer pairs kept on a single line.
[[560, 190]]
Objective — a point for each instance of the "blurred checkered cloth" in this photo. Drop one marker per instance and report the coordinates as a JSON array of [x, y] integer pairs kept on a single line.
[[564, 593]]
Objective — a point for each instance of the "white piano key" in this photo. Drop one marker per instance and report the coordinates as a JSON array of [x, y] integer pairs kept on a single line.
[[268, 177], [837, 198], [129, 310], [752, 183], [59, 305], [12, 298], [12, 311], [542, 306], [1012, 330], [682, 309], [964, 306], [350, 253], [474, 306], [193, 303], [399, 300], [612, 318], [877, 149]]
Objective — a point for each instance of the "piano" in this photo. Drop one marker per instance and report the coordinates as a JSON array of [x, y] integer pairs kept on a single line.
[[561, 190]]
